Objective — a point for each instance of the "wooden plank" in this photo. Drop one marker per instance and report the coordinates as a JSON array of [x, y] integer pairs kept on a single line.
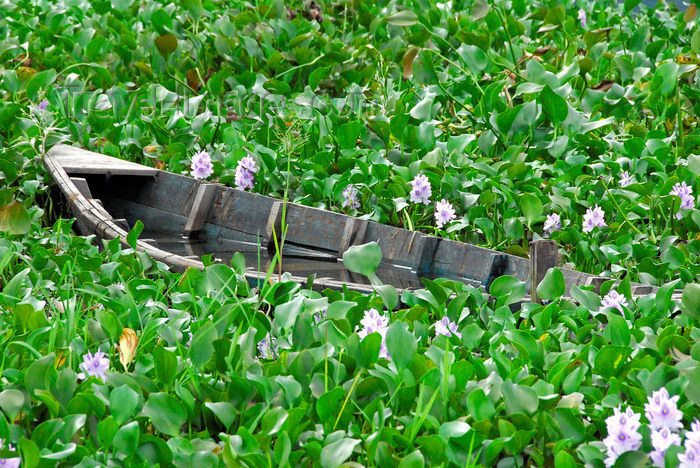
[[353, 234], [82, 186], [424, 255], [544, 254], [78, 161], [199, 211], [314, 228], [399, 246]]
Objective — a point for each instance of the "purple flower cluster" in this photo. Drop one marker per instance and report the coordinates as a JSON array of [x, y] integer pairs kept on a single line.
[[447, 327], [623, 434], [94, 365], [374, 322], [421, 190], [625, 179], [444, 213], [685, 192], [613, 299], [582, 17], [13, 462], [350, 195], [691, 457], [553, 223], [268, 349], [245, 173], [665, 419], [594, 217], [201, 165], [43, 104]]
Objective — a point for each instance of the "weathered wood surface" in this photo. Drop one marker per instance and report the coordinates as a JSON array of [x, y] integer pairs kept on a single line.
[[170, 200], [200, 209], [78, 161]]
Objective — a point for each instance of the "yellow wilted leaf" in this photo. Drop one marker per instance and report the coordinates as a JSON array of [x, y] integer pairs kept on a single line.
[[127, 346]]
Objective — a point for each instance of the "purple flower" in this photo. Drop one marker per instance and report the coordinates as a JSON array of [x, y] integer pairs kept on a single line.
[[245, 173], [421, 191], [268, 348], [662, 411], [94, 365], [691, 457], [374, 322], [320, 316], [613, 299], [593, 218], [661, 440], [446, 327], [685, 192], [350, 195], [627, 419], [43, 104], [582, 17], [625, 179], [444, 213], [201, 165], [553, 223], [623, 434]]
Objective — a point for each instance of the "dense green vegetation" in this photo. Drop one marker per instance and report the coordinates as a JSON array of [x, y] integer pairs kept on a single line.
[[514, 111]]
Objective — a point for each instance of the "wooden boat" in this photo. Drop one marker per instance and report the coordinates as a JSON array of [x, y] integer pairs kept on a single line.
[[190, 217]]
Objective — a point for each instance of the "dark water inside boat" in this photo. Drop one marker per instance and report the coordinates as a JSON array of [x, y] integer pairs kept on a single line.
[[298, 262]]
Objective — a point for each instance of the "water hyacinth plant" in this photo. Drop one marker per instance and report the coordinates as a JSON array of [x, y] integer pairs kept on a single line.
[[202, 167], [573, 121]]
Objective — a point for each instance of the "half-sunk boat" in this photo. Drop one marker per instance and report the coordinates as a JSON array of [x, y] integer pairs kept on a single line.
[[186, 218]]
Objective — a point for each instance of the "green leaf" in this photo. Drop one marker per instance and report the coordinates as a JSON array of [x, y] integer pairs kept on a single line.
[[632, 459], [563, 460], [692, 391], [519, 399], [11, 403], [333, 455], [348, 134], [166, 44], [202, 348], [224, 411], [480, 9], [273, 420], [122, 403], [166, 413], [695, 41], [631, 4], [479, 406], [554, 105], [531, 207], [363, 259], [403, 18], [507, 290], [690, 301], [41, 80], [474, 57], [588, 299], [166, 364], [552, 286], [30, 453], [610, 359], [134, 234], [413, 460], [401, 344], [126, 440], [388, 294], [15, 219]]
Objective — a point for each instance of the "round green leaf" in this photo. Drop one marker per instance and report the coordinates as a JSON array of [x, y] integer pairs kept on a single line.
[[401, 344], [552, 286], [166, 413], [363, 259], [403, 18], [333, 455], [15, 219], [166, 44]]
